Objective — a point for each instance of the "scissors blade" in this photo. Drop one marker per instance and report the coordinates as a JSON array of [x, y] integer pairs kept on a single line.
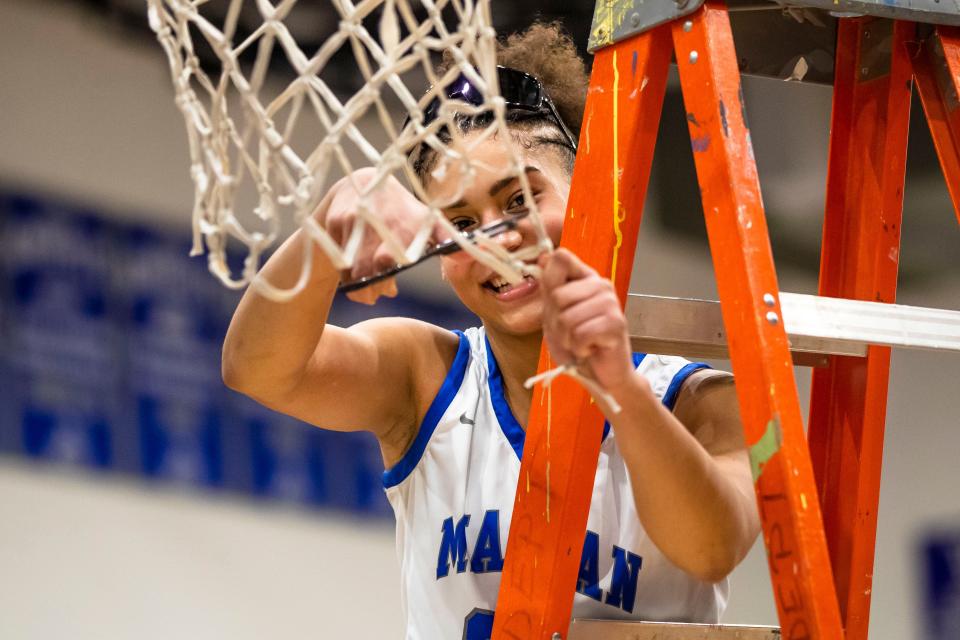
[[444, 248]]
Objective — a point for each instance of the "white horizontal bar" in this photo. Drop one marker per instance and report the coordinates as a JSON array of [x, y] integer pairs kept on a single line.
[[816, 326], [894, 325]]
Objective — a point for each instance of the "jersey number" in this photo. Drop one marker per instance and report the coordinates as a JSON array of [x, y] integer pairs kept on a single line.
[[478, 625]]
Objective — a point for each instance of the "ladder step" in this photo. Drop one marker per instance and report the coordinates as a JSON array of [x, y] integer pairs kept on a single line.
[[616, 630], [816, 327]]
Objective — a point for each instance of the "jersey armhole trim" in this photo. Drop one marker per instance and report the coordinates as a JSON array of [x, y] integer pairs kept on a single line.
[[451, 385], [511, 429], [637, 359], [673, 390]]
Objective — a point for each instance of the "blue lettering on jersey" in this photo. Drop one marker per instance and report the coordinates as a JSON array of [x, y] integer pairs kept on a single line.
[[453, 546], [588, 580], [487, 555], [623, 585], [478, 625]]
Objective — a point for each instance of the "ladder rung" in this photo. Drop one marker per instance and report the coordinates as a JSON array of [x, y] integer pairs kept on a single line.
[[816, 326], [615, 630]]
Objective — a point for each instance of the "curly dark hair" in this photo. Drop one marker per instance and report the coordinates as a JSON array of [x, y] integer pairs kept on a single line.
[[547, 52]]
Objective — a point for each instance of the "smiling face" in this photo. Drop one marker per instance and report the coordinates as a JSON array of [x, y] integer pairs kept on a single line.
[[494, 193]]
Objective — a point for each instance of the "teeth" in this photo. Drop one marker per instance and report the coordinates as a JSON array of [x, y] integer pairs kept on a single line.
[[497, 282]]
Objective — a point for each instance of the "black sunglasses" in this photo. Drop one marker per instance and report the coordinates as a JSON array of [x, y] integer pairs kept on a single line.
[[519, 90]]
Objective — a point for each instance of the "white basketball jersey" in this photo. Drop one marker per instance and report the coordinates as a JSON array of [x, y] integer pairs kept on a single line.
[[453, 494]]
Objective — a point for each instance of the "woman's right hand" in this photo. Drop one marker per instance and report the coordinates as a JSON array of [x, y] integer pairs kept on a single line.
[[400, 211]]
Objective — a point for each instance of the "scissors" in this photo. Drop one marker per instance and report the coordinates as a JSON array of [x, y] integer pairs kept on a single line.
[[442, 249]]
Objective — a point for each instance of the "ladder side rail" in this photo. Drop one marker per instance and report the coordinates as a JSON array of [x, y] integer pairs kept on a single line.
[[563, 435], [859, 260], [746, 280], [936, 67]]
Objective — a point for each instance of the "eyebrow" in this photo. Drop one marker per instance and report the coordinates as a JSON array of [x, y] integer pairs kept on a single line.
[[497, 186]]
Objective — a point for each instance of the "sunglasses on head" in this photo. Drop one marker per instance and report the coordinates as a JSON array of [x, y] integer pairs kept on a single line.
[[521, 91]]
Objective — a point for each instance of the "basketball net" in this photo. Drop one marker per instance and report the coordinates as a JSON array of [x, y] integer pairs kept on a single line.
[[241, 128]]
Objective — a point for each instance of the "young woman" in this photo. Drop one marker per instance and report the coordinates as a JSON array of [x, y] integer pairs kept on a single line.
[[673, 510]]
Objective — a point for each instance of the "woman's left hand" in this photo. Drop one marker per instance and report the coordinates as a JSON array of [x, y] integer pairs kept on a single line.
[[583, 322]]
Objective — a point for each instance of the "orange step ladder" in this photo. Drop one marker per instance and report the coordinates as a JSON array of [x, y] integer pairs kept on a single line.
[[817, 499]]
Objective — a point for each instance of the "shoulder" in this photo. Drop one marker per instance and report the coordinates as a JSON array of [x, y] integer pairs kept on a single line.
[[407, 335], [703, 399], [427, 353], [706, 387], [668, 376], [424, 350], [705, 381], [707, 405], [428, 350]]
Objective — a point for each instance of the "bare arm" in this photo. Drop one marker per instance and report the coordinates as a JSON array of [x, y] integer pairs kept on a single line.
[[690, 472], [284, 355], [689, 469]]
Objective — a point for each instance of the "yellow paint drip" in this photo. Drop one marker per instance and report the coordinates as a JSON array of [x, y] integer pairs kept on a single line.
[[586, 126], [617, 218], [548, 492], [549, 412]]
